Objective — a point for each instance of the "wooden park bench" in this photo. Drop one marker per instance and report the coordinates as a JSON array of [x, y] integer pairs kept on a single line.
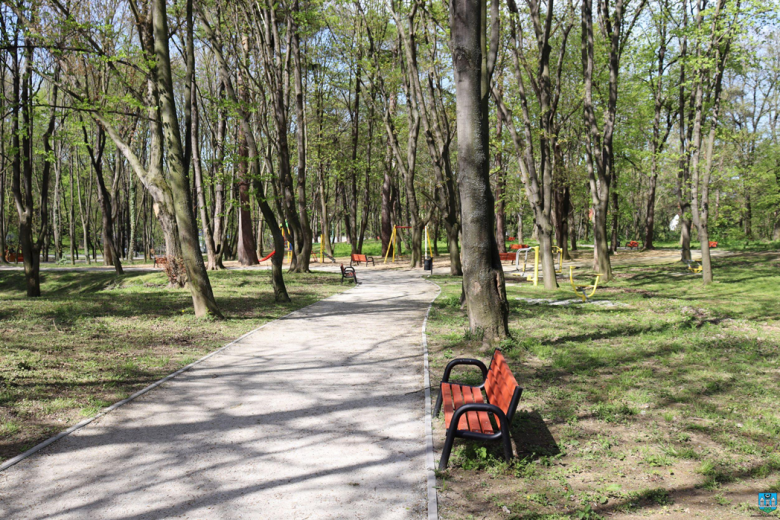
[[508, 256], [633, 244], [348, 273], [712, 244], [13, 256], [160, 261], [468, 415], [356, 258]]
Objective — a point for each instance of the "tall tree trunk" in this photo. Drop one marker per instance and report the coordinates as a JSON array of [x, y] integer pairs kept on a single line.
[[247, 248], [304, 240], [208, 237], [22, 166], [500, 188], [483, 277], [200, 286]]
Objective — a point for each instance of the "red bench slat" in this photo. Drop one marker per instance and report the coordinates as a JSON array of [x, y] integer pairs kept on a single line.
[[454, 396]]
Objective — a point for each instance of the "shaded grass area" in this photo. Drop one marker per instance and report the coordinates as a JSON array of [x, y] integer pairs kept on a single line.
[[94, 338], [665, 402]]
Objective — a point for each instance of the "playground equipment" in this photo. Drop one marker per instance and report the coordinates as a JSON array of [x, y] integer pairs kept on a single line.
[[583, 291], [558, 251], [694, 267], [535, 278], [268, 256], [394, 242]]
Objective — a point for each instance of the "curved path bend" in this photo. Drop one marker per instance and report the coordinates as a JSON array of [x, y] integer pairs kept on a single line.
[[316, 415]]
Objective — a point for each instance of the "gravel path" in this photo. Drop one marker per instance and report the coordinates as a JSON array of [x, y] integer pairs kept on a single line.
[[317, 415]]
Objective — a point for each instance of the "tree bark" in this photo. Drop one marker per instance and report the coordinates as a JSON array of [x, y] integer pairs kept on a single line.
[[483, 277], [200, 286]]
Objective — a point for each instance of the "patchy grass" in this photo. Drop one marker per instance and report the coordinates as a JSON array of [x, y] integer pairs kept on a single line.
[[664, 404], [94, 338]]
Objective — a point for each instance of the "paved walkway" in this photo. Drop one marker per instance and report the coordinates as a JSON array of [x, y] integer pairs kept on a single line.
[[317, 415]]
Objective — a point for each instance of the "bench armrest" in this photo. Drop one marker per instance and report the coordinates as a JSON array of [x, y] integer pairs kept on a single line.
[[464, 361], [349, 269]]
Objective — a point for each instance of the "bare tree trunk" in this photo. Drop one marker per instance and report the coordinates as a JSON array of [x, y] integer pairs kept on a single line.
[[304, 240], [208, 236], [483, 277], [200, 286]]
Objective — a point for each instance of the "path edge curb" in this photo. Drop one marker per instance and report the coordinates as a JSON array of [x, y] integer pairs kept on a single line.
[[51, 440], [433, 505]]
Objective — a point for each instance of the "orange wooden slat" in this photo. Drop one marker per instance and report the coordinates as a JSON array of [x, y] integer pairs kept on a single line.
[[458, 398], [473, 420], [483, 418], [446, 395]]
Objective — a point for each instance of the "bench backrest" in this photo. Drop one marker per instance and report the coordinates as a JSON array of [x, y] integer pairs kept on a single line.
[[358, 258], [501, 386]]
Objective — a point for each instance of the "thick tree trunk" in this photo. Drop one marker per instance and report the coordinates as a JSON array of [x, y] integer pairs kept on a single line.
[[200, 286], [483, 277]]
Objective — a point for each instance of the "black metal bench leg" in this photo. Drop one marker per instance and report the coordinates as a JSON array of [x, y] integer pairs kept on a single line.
[[506, 441], [448, 442], [437, 408]]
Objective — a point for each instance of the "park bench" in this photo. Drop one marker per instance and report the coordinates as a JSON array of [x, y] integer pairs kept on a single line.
[[508, 256], [160, 261], [468, 415], [348, 273], [356, 258], [515, 247], [693, 267], [633, 244], [713, 244], [13, 256]]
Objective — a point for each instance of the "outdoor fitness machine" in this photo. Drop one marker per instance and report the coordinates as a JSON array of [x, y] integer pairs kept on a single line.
[[583, 291], [535, 278]]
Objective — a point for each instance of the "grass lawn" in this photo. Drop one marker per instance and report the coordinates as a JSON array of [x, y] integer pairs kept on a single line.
[[94, 338], [666, 403]]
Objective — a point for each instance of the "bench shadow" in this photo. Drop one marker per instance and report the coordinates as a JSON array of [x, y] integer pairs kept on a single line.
[[531, 437]]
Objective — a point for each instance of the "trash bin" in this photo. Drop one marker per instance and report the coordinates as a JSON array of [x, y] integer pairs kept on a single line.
[[428, 265]]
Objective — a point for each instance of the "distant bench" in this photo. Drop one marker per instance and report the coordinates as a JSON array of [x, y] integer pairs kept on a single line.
[[161, 261], [356, 258], [632, 244], [348, 273], [508, 256]]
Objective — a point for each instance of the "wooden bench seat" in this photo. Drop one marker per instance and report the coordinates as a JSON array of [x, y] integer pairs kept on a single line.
[[470, 415], [357, 258], [508, 256]]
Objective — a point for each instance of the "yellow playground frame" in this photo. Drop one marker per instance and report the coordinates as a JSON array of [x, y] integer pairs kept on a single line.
[[583, 291], [394, 242]]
